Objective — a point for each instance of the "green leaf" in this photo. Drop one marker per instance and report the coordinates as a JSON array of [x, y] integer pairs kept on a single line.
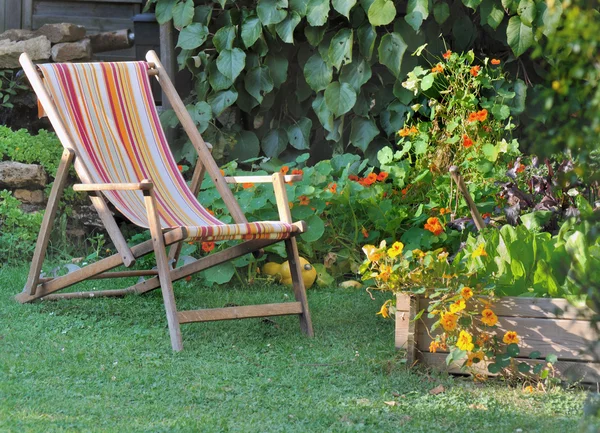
[[490, 152], [317, 12], [464, 33], [427, 81], [391, 50], [381, 12], [220, 101], [231, 62], [472, 3], [164, 11], [491, 14], [501, 112], [343, 6], [535, 355], [519, 36], [220, 274], [314, 35], [274, 142], [192, 36], [202, 14], [251, 30], [416, 12], [366, 40], [523, 367], [340, 98], [494, 368], [202, 115], [526, 11], [362, 132], [183, 13], [278, 67], [513, 350], [324, 115], [246, 146], [299, 6], [217, 80], [271, 11], [299, 134], [441, 12], [538, 369], [315, 229], [285, 29], [224, 38], [258, 82], [340, 48], [552, 358], [356, 73], [317, 73]]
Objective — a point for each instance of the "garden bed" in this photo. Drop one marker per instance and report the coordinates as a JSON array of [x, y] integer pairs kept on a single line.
[[549, 326]]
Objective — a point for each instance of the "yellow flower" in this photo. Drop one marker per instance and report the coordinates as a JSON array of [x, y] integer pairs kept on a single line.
[[479, 251], [372, 253], [465, 341], [418, 253], [466, 293], [458, 306], [488, 317], [442, 256], [511, 337], [385, 310], [448, 321], [434, 346], [530, 389], [385, 272], [473, 356], [396, 249]]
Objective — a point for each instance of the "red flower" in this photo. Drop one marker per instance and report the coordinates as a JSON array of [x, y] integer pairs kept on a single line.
[[365, 233], [297, 171], [207, 247], [353, 177], [284, 170], [521, 168], [495, 62], [180, 168], [370, 179], [475, 70], [447, 55], [247, 185], [382, 176], [467, 142], [304, 200], [332, 187], [434, 226]]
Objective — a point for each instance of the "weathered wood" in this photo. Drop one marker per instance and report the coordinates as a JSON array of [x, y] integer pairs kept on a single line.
[[460, 183], [293, 257], [93, 23], [12, 13], [48, 221], [26, 14], [406, 310], [87, 295], [261, 179], [164, 272], [243, 312], [109, 41], [283, 206]]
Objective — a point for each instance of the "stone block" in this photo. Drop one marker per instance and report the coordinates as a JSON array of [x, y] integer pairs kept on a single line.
[[15, 175], [29, 196], [38, 48], [63, 32], [17, 35], [67, 51]]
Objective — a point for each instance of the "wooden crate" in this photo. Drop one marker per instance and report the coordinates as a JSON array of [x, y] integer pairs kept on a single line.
[[544, 325]]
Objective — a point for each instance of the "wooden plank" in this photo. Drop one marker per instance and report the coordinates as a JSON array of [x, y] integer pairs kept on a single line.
[[406, 310], [83, 9], [12, 13], [291, 250], [587, 372], [281, 198], [87, 295], [567, 339], [510, 306], [94, 24], [26, 14], [243, 312], [261, 179], [2, 16]]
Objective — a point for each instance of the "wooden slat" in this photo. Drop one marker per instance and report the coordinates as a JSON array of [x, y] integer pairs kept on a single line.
[[87, 295], [406, 309], [94, 24], [587, 372], [261, 179], [12, 13], [243, 312], [26, 14]]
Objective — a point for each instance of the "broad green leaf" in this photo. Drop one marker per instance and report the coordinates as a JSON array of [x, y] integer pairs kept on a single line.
[[535, 354], [315, 229], [274, 142], [538, 369], [427, 81], [192, 36], [472, 3], [552, 358], [517, 105], [343, 6], [464, 33], [501, 112], [278, 67], [513, 350], [490, 152], [224, 38], [526, 11], [299, 134], [523, 367], [317, 73], [183, 13], [491, 14], [536, 220], [164, 11], [441, 12], [324, 115], [519, 36], [356, 73], [391, 50], [336, 133], [217, 80], [317, 12], [258, 82], [285, 29], [251, 30], [220, 274], [494, 368], [271, 11], [202, 14], [202, 115], [231, 62], [381, 12], [246, 146], [340, 48], [393, 120], [366, 40], [299, 6], [340, 98], [362, 132], [245, 101], [551, 18], [220, 101], [314, 35], [417, 11]]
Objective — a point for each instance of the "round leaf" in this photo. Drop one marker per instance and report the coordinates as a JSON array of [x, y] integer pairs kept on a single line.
[[391, 50], [221, 101], [494, 368], [552, 358], [416, 12], [278, 68], [340, 48], [519, 36], [220, 274], [285, 29], [325, 116], [317, 12], [362, 132], [523, 367], [217, 80], [299, 134], [535, 354], [274, 142], [526, 11], [366, 40], [314, 35], [164, 11], [513, 350], [271, 11], [317, 73], [472, 3], [251, 30], [224, 38], [192, 36], [246, 146], [340, 98], [231, 63], [381, 12], [356, 73], [183, 13], [441, 12], [258, 82], [315, 229]]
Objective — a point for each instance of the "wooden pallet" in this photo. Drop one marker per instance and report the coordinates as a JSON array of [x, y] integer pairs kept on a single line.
[[550, 326]]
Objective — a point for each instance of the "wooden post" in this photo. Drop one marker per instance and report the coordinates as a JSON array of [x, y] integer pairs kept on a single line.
[[406, 310], [460, 184]]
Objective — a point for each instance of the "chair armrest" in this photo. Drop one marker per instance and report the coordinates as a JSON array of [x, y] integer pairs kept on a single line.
[[261, 179], [144, 185]]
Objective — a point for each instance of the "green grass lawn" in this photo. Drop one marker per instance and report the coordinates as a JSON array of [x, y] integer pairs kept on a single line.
[[106, 365]]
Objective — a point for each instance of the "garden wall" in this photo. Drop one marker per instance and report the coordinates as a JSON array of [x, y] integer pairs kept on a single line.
[[550, 326]]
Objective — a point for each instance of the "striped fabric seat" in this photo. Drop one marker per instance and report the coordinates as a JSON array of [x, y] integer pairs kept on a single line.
[[109, 110]]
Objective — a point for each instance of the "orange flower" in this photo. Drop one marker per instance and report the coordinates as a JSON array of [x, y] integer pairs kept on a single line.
[[495, 62], [404, 132], [385, 272], [511, 337], [448, 321], [434, 226], [210, 212], [405, 190], [290, 204], [488, 317], [247, 185], [447, 55], [372, 253], [486, 215], [188, 278], [437, 68], [482, 115], [473, 117], [222, 172], [445, 210], [382, 176], [365, 233], [304, 201], [369, 180], [332, 187], [284, 170], [353, 177], [466, 292], [180, 167], [434, 346], [207, 247], [521, 168], [475, 70], [297, 171], [467, 142]]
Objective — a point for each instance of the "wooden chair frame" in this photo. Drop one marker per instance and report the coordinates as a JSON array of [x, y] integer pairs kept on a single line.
[[163, 277]]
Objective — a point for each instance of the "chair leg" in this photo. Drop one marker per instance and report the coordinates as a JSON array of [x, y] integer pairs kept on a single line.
[[298, 283]]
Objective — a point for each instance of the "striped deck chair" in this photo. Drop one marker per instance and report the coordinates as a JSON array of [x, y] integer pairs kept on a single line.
[[105, 117]]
